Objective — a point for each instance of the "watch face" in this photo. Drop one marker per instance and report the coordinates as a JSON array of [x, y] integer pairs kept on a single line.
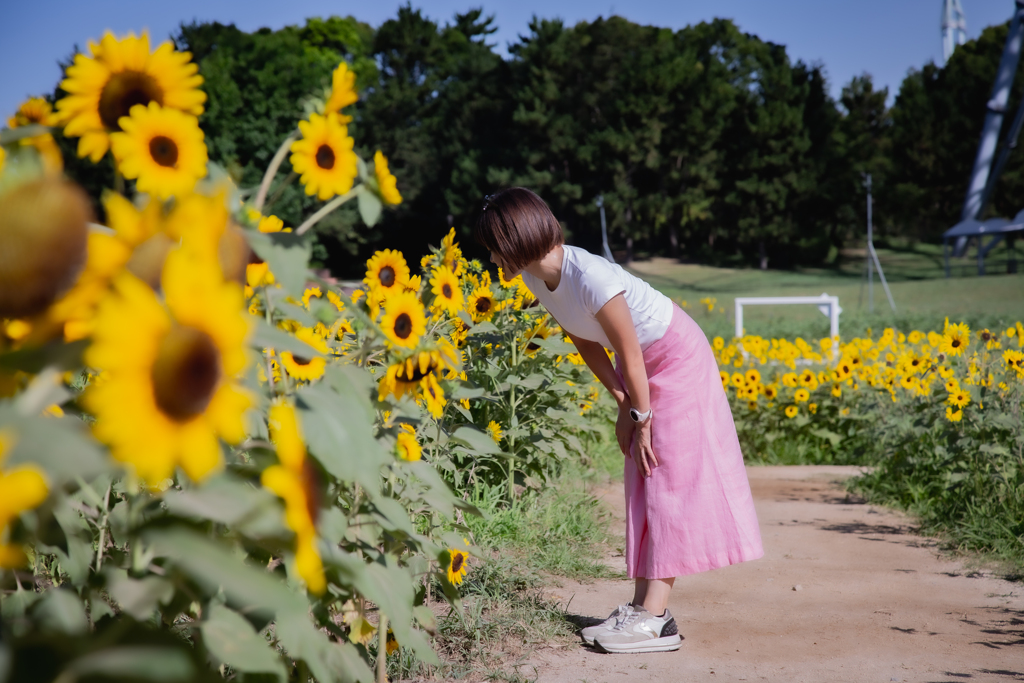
[[635, 414]]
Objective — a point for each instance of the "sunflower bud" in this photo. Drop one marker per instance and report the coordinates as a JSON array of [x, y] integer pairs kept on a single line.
[[43, 227]]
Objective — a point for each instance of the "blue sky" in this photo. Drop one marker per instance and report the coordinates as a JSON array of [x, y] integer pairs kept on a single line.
[[882, 37]]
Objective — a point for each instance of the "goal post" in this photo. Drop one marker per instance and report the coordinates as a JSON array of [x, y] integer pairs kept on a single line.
[[829, 305]]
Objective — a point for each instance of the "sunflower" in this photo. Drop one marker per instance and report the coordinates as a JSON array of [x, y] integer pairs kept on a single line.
[[789, 379], [295, 481], [324, 156], [837, 390], [770, 392], [539, 331], [37, 111], [738, 380], [724, 376], [118, 74], [21, 488], [3, 157], [959, 398], [1015, 360], [801, 395], [494, 430], [447, 292], [456, 566], [954, 415], [407, 446], [451, 255], [170, 370], [386, 271], [311, 293], [301, 367], [343, 92], [404, 322], [955, 339], [162, 149], [952, 385], [386, 183], [753, 376], [791, 411], [481, 305], [808, 379], [391, 643], [433, 396]]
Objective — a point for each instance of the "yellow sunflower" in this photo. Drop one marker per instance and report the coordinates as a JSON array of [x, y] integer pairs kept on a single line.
[[170, 370], [752, 376], [954, 415], [404, 322], [447, 291], [433, 396], [451, 255], [301, 367], [791, 411], [407, 446], [539, 331], [494, 430], [386, 271], [323, 156], [457, 566], [295, 481], [162, 149], [481, 305], [3, 157], [103, 86], [343, 92], [21, 488], [959, 398], [955, 339], [37, 111], [770, 392], [386, 182]]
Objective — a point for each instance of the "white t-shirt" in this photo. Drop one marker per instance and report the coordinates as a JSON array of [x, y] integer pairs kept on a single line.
[[588, 282]]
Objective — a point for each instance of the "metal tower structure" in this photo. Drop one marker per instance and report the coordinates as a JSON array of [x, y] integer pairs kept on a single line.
[[954, 28]]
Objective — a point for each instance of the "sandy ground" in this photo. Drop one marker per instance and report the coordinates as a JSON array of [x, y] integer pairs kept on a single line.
[[845, 592]]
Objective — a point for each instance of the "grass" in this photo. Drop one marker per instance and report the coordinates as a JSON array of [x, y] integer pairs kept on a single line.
[[922, 295], [559, 531]]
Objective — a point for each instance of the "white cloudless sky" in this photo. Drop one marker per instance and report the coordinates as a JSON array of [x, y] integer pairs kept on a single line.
[[884, 38]]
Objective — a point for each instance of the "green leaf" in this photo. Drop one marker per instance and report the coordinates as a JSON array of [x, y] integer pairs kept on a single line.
[[60, 611], [32, 360], [288, 257], [216, 568], [337, 421], [388, 586], [161, 664], [11, 135], [79, 556], [395, 514], [61, 447], [476, 440], [302, 640], [267, 336], [556, 346], [138, 597], [370, 207], [832, 437], [231, 639], [245, 508]]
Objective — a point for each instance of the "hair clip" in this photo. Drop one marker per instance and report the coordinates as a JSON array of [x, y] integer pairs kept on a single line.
[[487, 201]]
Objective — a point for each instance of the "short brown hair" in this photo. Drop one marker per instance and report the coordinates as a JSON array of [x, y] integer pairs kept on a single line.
[[517, 225]]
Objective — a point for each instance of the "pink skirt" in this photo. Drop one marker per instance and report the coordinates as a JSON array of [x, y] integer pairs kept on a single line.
[[695, 511]]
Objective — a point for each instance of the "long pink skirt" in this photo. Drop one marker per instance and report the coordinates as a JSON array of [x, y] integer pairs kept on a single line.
[[695, 511]]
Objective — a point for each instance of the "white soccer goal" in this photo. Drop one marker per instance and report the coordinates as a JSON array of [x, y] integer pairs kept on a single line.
[[829, 305]]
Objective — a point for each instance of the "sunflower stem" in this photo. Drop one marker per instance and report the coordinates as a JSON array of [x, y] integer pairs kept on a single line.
[[382, 649], [275, 163], [327, 208], [281, 188]]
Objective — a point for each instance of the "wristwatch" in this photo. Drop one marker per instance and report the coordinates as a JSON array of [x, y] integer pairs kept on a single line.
[[638, 416]]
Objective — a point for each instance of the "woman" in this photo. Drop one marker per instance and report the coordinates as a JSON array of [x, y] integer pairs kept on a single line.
[[688, 502]]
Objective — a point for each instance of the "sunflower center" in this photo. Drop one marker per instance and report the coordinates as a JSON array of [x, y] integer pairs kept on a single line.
[[446, 290], [301, 360], [955, 343], [325, 157], [483, 304], [123, 91], [387, 276], [164, 151], [457, 563], [185, 373], [403, 326]]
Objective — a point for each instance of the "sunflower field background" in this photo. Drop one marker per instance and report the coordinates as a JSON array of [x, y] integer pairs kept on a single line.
[[215, 463], [212, 462]]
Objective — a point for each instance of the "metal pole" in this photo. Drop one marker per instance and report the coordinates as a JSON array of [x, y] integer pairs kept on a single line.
[[871, 248], [881, 276], [739, 319], [606, 252], [996, 107]]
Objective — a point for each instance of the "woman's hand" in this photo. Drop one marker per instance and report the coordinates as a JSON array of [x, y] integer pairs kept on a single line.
[[624, 427], [645, 460]]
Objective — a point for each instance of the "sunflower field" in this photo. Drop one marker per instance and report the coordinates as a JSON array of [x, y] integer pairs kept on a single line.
[[937, 415], [214, 463]]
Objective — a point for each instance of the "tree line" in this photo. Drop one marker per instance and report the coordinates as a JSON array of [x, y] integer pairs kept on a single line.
[[706, 143]]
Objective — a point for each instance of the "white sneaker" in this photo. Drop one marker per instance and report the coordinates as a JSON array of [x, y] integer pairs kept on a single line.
[[591, 632], [641, 631]]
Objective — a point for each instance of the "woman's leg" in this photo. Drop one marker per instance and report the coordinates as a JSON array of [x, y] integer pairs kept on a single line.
[[639, 591], [655, 594]]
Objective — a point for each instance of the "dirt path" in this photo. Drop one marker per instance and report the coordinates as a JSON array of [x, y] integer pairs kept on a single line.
[[845, 592]]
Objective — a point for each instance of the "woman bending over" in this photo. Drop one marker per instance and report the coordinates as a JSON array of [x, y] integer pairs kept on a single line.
[[688, 502]]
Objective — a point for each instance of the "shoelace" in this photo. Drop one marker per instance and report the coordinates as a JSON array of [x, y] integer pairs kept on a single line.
[[631, 616]]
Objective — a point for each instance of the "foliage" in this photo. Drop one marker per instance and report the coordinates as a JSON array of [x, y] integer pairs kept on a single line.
[[205, 478]]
